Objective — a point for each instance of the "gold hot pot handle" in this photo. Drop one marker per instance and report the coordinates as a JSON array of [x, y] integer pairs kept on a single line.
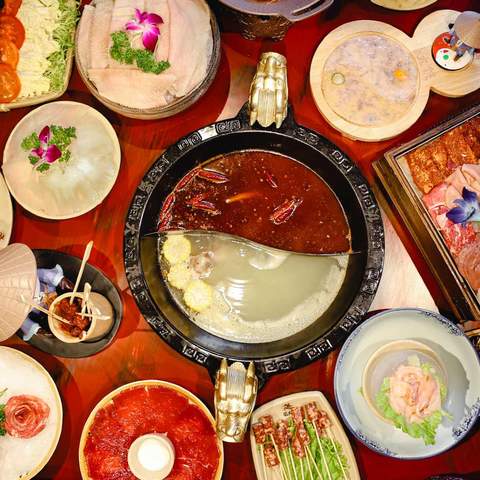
[[235, 396], [268, 102]]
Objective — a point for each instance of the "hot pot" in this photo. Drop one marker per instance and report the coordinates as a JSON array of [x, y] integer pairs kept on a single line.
[[315, 152], [270, 19]]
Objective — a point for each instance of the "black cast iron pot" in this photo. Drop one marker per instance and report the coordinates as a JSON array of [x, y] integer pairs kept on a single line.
[[317, 153]]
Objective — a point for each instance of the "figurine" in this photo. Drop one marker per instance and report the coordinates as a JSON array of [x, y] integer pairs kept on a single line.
[[269, 91], [50, 283], [235, 396]]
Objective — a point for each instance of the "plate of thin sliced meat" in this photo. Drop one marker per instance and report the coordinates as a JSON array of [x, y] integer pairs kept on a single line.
[[300, 437], [147, 58]]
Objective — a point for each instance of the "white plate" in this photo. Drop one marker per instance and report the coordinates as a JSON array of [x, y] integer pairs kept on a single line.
[[25, 376], [6, 213], [70, 189], [275, 408], [463, 372]]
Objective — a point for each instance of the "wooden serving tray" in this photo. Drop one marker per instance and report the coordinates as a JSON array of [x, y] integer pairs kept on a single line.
[[430, 75], [402, 191], [275, 408]]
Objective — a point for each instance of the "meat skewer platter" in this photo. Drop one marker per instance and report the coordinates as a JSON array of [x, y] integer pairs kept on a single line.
[[6, 213], [300, 437], [117, 439], [137, 58], [36, 50], [31, 416], [380, 98]]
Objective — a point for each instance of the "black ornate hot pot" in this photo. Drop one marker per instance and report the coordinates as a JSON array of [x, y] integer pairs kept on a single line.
[[311, 150]]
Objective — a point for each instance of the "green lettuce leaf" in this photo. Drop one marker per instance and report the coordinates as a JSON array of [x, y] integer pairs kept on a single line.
[[425, 430]]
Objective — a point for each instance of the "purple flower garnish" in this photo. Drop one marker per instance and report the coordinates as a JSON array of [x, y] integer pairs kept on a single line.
[[468, 209], [147, 24], [46, 153]]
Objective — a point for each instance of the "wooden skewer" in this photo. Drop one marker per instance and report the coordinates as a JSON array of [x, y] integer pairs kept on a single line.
[[307, 451], [321, 451], [263, 462], [86, 256], [91, 315], [293, 463], [301, 468], [86, 295], [284, 475], [332, 439], [314, 463], [44, 310]]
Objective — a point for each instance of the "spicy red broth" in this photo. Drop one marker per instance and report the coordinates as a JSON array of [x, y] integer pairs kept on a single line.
[[262, 196]]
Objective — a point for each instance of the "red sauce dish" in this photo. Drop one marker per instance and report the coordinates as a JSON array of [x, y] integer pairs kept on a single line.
[[142, 408]]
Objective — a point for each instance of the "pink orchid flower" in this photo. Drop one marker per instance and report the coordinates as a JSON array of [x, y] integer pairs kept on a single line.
[[146, 24], [46, 153]]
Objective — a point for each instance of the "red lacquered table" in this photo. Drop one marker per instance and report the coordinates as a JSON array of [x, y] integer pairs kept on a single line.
[[137, 352]]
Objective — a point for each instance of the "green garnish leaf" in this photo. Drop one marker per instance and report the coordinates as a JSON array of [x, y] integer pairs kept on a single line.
[[425, 430], [122, 52], [64, 36], [30, 142]]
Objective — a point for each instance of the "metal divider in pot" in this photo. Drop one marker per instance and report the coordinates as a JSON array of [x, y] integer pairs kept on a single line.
[[362, 271]]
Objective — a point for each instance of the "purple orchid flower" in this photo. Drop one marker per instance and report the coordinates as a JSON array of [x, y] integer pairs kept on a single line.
[[147, 24], [46, 153], [468, 209]]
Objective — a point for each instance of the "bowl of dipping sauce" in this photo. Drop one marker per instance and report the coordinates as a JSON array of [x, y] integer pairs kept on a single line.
[[151, 456], [80, 329]]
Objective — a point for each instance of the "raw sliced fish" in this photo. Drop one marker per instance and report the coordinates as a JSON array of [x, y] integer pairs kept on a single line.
[[84, 32], [132, 87], [100, 35], [187, 51], [162, 8]]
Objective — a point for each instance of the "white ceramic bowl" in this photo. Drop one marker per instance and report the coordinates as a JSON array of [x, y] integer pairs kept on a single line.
[[454, 351]]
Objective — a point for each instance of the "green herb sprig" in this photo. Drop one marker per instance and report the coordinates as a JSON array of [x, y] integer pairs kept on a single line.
[[3, 431], [122, 52], [60, 136]]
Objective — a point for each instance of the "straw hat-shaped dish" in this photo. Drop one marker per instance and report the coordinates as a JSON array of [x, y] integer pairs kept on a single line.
[[22, 375], [108, 399], [18, 276], [6, 213], [71, 188], [372, 82], [171, 108], [404, 4]]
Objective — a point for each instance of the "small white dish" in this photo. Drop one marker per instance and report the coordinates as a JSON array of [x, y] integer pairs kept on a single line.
[[387, 359], [6, 214], [455, 353], [151, 457], [67, 189]]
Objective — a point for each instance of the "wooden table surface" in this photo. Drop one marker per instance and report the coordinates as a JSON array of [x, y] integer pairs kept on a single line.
[[137, 352]]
